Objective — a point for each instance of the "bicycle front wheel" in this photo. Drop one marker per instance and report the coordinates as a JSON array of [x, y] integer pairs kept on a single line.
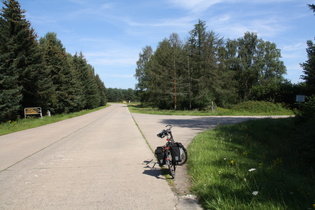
[[169, 163]]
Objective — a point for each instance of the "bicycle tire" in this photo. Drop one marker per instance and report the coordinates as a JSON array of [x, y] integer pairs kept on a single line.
[[170, 165], [184, 156]]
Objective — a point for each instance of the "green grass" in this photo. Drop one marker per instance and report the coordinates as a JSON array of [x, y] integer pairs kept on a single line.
[[246, 110], [252, 165], [23, 124]]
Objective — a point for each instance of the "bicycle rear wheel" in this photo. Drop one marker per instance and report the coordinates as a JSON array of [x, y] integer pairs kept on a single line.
[[184, 156], [169, 163]]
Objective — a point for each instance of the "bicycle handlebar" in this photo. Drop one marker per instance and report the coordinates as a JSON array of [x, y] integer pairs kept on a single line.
[[169, 126], [165, 132]]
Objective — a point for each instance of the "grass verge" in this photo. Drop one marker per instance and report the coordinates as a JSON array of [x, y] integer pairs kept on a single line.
[[252, 165], [237, 111], [23, 124]]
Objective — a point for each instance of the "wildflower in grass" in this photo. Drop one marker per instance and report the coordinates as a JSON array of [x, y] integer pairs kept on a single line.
[[252, 169], [277, 162], [314, 205], [255, 192]]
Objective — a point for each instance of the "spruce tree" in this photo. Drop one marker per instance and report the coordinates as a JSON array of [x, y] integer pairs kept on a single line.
[[64, 97], [309, 65], [160, 86], [101, 90], [10, 91], [203, 47], [86, 76], [164, 74], [21, 61], [75, 62]]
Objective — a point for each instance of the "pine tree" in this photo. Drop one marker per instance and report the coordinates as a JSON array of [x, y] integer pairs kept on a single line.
[[102, 91], [312, 7], [66, 87], [309, 65], [164, 74], [20, 59], [203, 47], [160, 86], [177, 59], [227, 93], [92, 92], [86, 76], [10, 91], [75, 62]]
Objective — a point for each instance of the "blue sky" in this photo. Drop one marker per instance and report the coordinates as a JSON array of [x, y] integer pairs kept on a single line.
[[112, 33]]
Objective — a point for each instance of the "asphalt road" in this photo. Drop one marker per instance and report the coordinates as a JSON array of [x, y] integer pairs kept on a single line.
[[97, 161]]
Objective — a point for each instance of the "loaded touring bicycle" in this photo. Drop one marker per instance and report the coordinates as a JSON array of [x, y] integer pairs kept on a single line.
[[172, 153]]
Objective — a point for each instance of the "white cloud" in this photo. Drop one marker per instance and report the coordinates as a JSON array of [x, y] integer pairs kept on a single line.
[[296, 51], [82, 2], [41, 20], [224, 18], [110, 57], [295, 46], [107, 6], [194, 6], [233, 24]]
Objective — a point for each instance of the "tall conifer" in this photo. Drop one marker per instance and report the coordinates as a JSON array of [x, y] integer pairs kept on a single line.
[[309, 65], [21, 58], [86, 76], [65, 88], [10, 90]]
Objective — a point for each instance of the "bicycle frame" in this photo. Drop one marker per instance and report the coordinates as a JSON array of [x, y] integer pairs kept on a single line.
[[167, 149]]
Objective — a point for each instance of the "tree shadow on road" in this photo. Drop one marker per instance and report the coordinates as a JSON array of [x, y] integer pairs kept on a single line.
[[203, 123]]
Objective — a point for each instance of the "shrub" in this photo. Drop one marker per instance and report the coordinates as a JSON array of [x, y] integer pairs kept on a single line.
[[259, 107], [308, 108]]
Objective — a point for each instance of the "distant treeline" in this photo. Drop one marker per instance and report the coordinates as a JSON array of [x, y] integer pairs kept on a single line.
[[39, 72], [120, 95], [207, 68]]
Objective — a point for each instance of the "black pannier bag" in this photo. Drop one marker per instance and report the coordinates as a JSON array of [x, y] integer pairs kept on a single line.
[[175, 151], [160, 155]]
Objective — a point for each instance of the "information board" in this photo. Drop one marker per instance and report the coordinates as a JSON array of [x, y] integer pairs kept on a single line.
[[300, 98], [33, 111]]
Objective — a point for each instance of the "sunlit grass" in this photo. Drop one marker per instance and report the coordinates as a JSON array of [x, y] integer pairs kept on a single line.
[[23, 124], [252, 165], [137, 108]]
